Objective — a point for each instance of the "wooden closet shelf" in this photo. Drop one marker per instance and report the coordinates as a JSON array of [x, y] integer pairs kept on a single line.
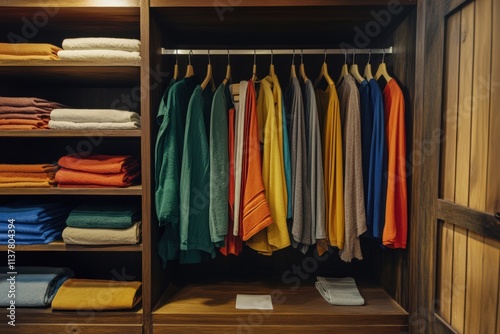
[[71, 3], [275, 3], [213, 305], [70, 133], [68, 64], [61, 246], [133, 190]]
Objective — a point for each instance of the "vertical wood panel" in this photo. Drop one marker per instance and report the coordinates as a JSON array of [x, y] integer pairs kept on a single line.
[[493, 192], [465, 105], [449, 147], [480, 105], [462, 164], [473, 317], [458, 279], [490, 288], [445, 271]]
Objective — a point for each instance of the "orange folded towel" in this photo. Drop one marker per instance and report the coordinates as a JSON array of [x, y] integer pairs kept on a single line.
[[25, 110], [43, 184], [44, 117], [29, 122], [75, 179], [16, 177], [86, 294], [100, 163], [17, 127], [27, 51], [29, 102], [29, 168]]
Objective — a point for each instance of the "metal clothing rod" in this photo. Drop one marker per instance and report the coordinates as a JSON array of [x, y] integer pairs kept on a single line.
[[238, 52]]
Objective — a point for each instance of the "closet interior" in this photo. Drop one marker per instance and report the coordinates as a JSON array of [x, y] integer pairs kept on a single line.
[[199, 297]]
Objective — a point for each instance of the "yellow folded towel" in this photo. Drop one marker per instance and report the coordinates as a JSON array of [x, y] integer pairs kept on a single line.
[[86, 294], [102, 236], [28, 51]]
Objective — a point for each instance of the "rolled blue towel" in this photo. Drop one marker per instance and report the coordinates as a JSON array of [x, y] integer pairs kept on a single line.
[[34, 286]]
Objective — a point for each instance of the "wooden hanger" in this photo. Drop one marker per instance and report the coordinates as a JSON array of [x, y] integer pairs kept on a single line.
[[382, 71], [324, 74], [176, 66], [293, 73], [271, 67], [354, 69], [344, 71], [190, 69], [254, 67], [208, 77], [228, 70], [301, 68], [368, 68]]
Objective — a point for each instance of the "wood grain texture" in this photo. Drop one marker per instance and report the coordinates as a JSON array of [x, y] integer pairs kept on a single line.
[[445, 273], [465, 105], [493, 181], [60, 246], [490, 286], [272, 3], [441, 326], [280, 329], [71, 3], [474, 285], [133, 190], [73, 328], [459, 279], [450, 111], [480, 105]]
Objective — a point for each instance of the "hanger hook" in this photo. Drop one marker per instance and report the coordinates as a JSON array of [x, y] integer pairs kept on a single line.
[[353, 56], [383, 56], [272, 55], [208, 54], [293, 57], [189, 56], [228, 58], [345, 57], [301, 56], [324, 58], [254, 57], [176, 57], [369, 55]]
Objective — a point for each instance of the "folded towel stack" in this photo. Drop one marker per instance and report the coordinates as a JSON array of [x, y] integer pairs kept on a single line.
[[102, 119], [32, 222], [25, 113], [339, 291], [100, 48], [27, 175], [28, 51], [103, 224], [35, 286], [86, 294], [97, 171]]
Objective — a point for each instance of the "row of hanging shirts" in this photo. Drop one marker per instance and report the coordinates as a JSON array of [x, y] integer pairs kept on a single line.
[[245, 163]]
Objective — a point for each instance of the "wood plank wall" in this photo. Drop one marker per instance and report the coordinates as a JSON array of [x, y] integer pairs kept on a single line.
[[468, 263]]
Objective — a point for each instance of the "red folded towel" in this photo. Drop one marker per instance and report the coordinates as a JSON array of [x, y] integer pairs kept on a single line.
[[44, 117], [77, 179], [25, 110], [28, 102], [100, 163]]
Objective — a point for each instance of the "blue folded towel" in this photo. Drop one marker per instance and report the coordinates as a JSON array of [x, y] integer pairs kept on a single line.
[[35, 286], [33, 212]]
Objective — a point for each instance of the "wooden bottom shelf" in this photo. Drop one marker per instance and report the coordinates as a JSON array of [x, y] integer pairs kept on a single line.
[[210, 308], [44, 320]]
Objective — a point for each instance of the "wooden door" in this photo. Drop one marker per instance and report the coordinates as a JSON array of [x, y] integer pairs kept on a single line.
[[456, 210]]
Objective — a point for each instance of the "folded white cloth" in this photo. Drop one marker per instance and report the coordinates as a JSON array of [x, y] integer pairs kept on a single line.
[[102, 43], [94, 115], [102, 236], [339, 291], [92, 55], [61, 125]]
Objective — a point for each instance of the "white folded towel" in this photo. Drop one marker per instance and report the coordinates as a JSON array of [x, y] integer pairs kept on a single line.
[[339, 291], [102, 43], [94, 115], [61, 125], [92, 55], [102, 236]]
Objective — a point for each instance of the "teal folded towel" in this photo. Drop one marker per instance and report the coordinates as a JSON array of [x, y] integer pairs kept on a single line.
[[35, 286], [104, 215]]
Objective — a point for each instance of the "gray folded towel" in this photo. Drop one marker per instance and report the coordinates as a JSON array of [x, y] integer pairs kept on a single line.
[[339, 291]]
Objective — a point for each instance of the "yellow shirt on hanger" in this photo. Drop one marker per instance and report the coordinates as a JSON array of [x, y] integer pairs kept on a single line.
[[329, 112], [275, 236]]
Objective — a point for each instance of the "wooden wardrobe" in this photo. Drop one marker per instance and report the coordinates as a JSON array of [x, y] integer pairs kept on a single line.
[[404, 290]]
